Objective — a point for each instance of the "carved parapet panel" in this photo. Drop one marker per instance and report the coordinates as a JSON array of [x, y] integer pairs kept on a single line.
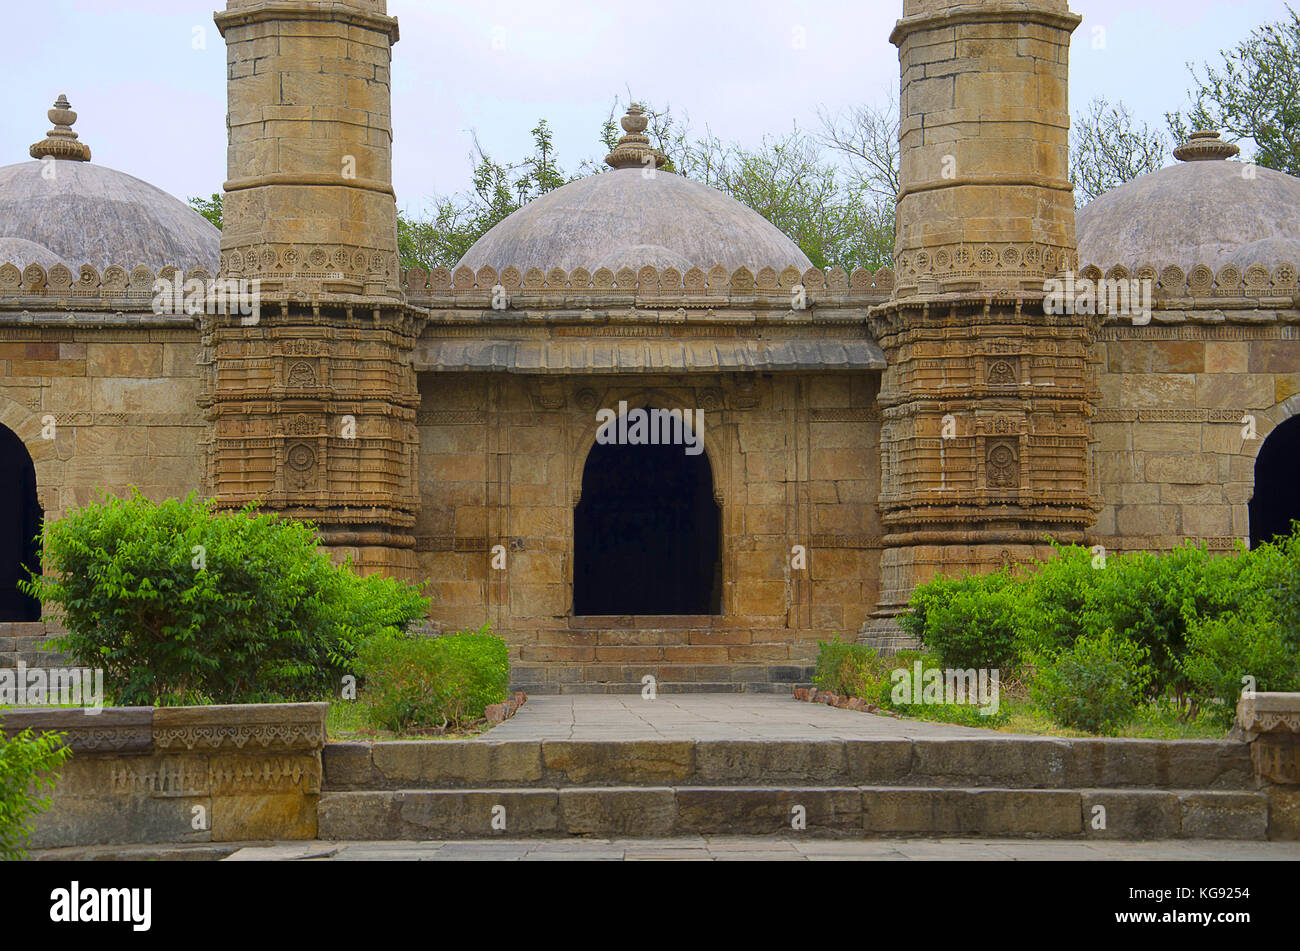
[[261, 726], [648, 282], [144, 774]]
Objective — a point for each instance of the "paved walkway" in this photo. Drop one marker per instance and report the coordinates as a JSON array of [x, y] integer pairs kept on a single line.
[[703, 716], [733, 848]]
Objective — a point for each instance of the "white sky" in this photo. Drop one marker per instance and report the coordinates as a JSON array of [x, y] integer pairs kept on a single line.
[[153, 105]]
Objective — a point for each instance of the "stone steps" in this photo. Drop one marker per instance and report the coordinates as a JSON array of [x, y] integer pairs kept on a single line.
[[831, 811], [561, 678], [983, 786], [999, 761]]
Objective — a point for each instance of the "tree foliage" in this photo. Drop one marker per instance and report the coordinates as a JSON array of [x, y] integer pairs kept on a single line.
[[1108, 149], [1253, 95], [29, 764], [180, 603]]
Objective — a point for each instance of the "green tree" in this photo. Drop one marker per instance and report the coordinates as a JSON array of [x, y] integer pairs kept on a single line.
[[209, 208], [1107, 149], [29, 764], [1254, 95]]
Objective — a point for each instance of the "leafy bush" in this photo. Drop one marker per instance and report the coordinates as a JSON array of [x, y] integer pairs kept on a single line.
[[971, 621], [1095, 684], [1055, 597], [433, 681], [28, 764], [850, 670], [1224, 651], [179, 603], [1259, 638]]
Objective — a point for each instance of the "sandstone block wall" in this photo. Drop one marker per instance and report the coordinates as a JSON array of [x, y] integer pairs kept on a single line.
[[794, 459], [124, 404], [1170, 455]]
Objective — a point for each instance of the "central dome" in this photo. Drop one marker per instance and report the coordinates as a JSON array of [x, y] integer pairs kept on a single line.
[[634, 215]]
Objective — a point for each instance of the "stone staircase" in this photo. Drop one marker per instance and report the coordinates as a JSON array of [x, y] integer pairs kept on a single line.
[[684, 653], [995, 786]]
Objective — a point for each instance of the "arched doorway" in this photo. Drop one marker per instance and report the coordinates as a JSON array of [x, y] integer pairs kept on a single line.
[[20, 524], [1276, 502], [646, 533]]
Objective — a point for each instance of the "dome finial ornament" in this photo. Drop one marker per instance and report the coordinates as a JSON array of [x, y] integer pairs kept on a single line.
[[1205, 146], [634, 149], [61, 142]]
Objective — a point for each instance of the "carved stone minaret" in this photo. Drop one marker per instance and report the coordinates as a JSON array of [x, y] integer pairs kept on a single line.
[[986, 399], [312, 401]]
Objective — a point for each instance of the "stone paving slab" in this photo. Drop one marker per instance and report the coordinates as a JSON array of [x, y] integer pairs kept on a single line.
[[769, 848], [704, 717]]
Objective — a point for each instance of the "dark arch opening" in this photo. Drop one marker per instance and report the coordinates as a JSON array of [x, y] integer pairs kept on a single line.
[[20, 526], [646, 533], [1276, 502]]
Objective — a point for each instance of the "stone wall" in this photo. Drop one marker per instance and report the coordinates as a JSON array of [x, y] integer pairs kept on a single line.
[[794, 463], [1170, 455], [181, 774], [124, 400]]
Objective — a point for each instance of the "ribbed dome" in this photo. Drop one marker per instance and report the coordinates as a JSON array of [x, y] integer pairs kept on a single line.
[[89, 214], [624, 218], [79, 213], [633, 216], [1196, 212]]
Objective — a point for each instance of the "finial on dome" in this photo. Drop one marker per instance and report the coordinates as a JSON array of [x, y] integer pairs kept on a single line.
[[61, 142], [634, 149], [1205, 147]]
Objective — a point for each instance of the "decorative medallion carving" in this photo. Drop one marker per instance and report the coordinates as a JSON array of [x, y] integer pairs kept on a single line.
[[1003, 468], [1001, 373], [301, 461]]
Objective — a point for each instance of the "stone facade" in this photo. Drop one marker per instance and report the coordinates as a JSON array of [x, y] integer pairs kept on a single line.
[[181, 774], [863, 432]]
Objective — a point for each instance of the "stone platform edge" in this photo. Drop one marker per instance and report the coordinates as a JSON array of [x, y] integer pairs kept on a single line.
[[141, 775]]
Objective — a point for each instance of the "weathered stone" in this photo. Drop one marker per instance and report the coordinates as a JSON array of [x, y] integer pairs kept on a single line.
[[1131, 814], [617, 763], [110, 730], [618, 811], [1017, 812], [447, 763], [752, 762], [1224, 815], [266, 726], [992, 761], [759, 811]]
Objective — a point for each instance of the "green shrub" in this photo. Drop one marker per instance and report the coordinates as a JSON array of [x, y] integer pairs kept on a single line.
[[28, 767], [850, 670], [179, 603], [1054, 598], [1226, 650], [1150, 599], [971, 621], [1096, 684], [414, 682]]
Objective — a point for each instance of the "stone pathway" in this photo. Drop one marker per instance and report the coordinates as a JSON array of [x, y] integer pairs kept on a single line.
[[742, 849], [718, 716]]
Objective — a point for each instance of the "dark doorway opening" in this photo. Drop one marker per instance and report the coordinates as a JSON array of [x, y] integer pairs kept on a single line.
[[1276, 502], [646, 533], [20, 524]]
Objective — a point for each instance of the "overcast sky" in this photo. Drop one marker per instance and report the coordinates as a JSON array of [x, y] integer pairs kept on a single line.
[[148, 76]]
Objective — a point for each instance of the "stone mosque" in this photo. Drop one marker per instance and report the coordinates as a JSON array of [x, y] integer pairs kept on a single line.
[[862, 432]]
